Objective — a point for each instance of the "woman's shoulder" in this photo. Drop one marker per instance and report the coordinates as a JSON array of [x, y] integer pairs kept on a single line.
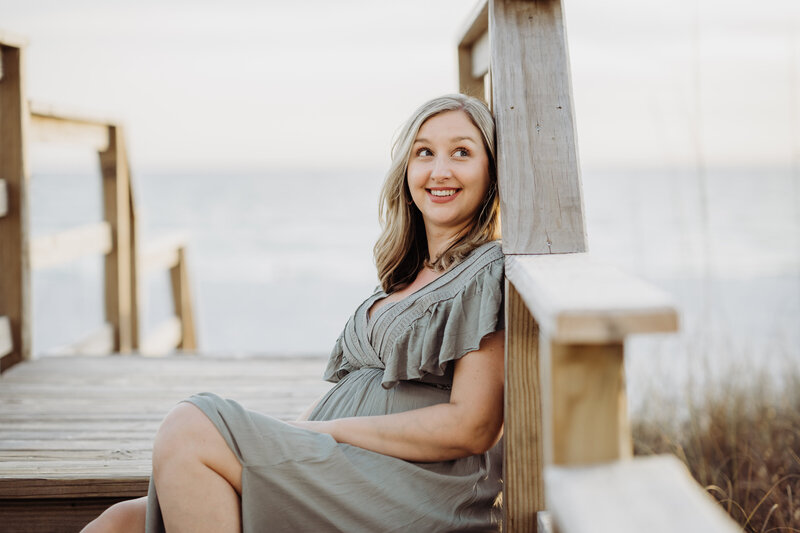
[[486, 259]]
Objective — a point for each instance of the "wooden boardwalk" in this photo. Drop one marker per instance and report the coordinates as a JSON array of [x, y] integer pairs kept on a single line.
[[76, 433]]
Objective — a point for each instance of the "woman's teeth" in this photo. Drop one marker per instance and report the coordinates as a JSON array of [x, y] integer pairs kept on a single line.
[[447, 192]]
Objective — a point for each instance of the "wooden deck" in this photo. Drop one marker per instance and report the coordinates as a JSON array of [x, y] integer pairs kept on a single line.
[[76, 432]]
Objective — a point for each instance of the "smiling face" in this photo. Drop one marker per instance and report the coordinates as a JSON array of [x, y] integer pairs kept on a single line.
[[448, 172]]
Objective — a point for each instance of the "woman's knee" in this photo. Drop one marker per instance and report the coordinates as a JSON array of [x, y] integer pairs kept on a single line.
[[122, 517], [181, 433]]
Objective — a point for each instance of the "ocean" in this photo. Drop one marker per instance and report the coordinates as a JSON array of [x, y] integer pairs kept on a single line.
[[278, 260]]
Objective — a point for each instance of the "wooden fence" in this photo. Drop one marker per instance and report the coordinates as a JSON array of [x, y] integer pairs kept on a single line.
[[114, 237], [568, 449]]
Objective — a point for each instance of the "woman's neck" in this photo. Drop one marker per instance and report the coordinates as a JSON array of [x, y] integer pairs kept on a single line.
[[441, 239]]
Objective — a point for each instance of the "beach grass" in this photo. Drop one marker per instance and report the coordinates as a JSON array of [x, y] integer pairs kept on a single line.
[[740, 438]]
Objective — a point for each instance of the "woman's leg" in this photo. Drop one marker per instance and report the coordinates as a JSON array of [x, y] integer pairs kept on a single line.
[[122, 517], [197, 477]]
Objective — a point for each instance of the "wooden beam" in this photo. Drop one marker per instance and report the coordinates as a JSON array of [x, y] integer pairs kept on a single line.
[[66, 246], [182, 300], [576, 299], [477, 26], [100, 342], [6, 341], [3, 198], [523, 484], [162, 254], [48, 125], [584, 403], [480, 56], [538, 172], [164, 338], [14, 227], [118, 266], [654, 494]]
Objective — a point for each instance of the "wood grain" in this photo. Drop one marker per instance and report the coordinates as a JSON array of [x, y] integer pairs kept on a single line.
[[116, 209], [653, 494], [48, 126], [539, 178], [523, 494], [580, 300], [587, 418], [68, 245], [15, 286]]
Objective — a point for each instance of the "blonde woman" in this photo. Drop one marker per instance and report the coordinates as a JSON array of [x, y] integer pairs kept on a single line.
[[408, 438]]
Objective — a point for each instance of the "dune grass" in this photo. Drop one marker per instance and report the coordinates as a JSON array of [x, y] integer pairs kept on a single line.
[[740, 438]]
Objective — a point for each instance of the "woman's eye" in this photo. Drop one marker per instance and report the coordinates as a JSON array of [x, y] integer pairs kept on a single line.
[[461, 152], [424, 152]]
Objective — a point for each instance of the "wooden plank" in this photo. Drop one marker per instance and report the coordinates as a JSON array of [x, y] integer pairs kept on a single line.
[[523, 493], [12, 39], [15, 280], [118, 265], [653, 494], [3, 198], [477, 25], [63, 247], [6, 340], [540, 186], [182, 302], [50, 126], [100, 342], [52, 515], [584, 401], [480, 56], [164, 338], [576, 299], [162, 253]]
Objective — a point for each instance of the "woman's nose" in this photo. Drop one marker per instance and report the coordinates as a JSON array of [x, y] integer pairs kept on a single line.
[[441, 168]]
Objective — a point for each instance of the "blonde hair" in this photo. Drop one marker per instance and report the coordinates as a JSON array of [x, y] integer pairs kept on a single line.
[[402, 248]]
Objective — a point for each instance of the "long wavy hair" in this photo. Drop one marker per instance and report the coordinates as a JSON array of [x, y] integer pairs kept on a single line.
[[402, 248]]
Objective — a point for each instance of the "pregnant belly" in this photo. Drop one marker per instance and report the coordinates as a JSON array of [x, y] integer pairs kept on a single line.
[[360, 393]]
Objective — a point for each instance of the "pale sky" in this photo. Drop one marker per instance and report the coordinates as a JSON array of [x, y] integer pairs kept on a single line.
[[247, 85]]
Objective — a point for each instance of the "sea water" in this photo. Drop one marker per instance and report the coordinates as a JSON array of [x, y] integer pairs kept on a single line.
[[278, 260]]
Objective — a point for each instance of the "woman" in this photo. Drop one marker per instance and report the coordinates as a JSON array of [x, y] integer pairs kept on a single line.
[[408, 438]]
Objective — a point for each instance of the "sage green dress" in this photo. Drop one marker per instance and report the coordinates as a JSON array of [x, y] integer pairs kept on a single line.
[[295, 480]]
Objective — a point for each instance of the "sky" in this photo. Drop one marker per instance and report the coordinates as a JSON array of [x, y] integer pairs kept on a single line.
[[246, 85]]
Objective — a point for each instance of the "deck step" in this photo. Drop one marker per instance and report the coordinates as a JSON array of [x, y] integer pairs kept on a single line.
[[77, 432]]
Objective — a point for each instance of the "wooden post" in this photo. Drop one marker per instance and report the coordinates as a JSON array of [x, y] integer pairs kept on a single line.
[[182, 301], [118, 272], [523, 489], [469, 81], [15, 284], [584, 401], [537, 162]]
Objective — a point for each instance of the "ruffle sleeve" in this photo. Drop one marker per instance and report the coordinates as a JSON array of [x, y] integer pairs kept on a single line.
[[338, 366], [448, 328]]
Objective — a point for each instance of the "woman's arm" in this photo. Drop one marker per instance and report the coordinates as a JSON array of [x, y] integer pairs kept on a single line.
[[471, 423]]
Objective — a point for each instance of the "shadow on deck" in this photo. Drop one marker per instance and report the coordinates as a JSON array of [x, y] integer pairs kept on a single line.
[[77, 432]]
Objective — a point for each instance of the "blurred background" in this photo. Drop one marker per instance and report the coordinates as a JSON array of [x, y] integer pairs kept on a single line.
[[262, 131]]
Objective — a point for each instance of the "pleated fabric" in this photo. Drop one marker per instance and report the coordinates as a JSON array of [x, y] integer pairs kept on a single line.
[[295, 480]]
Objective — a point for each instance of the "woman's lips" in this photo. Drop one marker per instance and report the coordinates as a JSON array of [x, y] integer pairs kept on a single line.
[[441, 195]]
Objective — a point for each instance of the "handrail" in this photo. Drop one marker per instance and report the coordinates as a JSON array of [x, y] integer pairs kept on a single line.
[[49, 125], [65, 246], [6, 342], [3, 198]]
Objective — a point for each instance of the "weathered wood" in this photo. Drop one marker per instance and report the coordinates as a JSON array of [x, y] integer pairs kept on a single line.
[[15, 278], [6, 341], [540, 186], [51, 515], [182, 301], [47, 125], [652, 494], [523, 494], [576, 299], [584, 401], [163, 339], [65, 246], [133, 262], [477, 25], [118, 272], [75, 428], [3, 198]]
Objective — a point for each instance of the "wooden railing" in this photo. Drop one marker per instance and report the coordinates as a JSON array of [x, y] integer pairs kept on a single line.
[[114, 238], [568, 447]]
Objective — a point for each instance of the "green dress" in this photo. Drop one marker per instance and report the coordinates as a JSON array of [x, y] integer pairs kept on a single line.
[[401, 358]]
